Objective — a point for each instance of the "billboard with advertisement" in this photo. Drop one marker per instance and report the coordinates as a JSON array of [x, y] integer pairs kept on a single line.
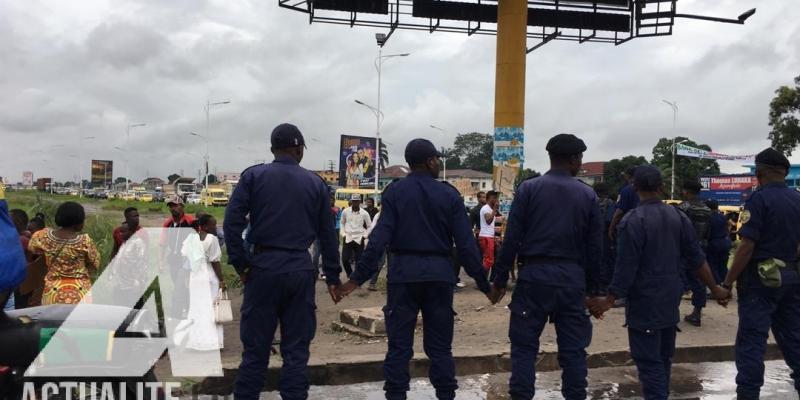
[[357, 162], [508, 157], [27, 178], [728, 190], [102, 173]]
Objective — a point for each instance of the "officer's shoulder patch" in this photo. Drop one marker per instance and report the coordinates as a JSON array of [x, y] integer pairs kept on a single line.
[[744, 217]]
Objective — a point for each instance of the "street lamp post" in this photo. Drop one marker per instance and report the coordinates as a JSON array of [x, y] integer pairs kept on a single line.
[[444, 153], [80, 159], [125, 153], [209, 104], [674, 105], [205, 158], [381, 39]]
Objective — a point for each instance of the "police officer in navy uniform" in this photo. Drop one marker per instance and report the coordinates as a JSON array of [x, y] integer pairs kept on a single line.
[[655, 242], [770, 235], [289, 208], [555, 228], [421, 219]]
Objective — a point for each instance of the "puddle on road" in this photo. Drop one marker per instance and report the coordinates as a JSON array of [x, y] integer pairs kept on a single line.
[[707, 381]]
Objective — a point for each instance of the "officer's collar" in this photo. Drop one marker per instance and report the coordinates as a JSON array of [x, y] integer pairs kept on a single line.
[[781, 184], [420, 174], [285, 159], [654, 200], [558, 172]]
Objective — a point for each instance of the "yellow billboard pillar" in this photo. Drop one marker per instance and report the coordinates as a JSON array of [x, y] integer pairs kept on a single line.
[[509, 100]]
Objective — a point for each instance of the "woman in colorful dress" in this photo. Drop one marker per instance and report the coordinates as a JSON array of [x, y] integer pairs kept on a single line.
[[71, 257]]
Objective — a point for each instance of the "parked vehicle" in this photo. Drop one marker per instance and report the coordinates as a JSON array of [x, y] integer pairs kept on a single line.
[[193, 198], [213, 197]]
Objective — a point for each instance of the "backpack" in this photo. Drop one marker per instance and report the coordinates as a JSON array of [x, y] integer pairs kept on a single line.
[[700, 215]]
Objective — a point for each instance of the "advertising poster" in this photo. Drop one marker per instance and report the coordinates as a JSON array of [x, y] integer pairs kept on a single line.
[[508, 157], [357, 162], [27, 178], [728, 190], [102, 173]]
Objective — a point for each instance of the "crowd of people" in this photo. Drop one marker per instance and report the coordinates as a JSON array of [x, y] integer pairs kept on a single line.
[[577, 253]]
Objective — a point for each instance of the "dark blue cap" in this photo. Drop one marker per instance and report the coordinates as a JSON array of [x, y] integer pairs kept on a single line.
[[647, 178], [286, 135], [565, 144], [420, 150], [773, 158]]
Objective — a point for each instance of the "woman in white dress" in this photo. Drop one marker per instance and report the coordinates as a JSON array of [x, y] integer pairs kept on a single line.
[[205, 283]]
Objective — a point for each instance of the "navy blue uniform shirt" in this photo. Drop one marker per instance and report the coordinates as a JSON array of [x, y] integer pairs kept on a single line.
[[771, 219], [655, 242], [719, 238], [289, 208], [628, 199], [420, 220], [553, 216]]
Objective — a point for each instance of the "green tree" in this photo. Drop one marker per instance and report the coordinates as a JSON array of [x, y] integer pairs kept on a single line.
[[525, 174], [612, 172], [172, 178], [685, 167], [384, 156], [212, 179], [451, 160], [474, 151], [120, 179], [784, 118]]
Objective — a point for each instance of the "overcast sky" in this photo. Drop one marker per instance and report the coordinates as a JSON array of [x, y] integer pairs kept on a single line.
[[73, 69]]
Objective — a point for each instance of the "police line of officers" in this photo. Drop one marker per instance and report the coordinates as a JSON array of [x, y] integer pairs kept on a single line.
[[554, 231]]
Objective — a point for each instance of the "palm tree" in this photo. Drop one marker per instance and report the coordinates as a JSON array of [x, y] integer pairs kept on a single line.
[[384, 156]]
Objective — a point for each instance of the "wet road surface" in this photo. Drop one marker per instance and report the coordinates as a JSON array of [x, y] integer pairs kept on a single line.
[[689, 381]]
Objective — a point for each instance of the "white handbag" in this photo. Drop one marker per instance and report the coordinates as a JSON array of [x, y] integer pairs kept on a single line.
[[222, 307]]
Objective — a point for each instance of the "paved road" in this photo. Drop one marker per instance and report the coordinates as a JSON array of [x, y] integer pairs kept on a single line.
[[689, 381]]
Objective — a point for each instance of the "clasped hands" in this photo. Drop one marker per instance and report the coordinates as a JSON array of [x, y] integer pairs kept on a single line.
[[599, 305], [340, 291]]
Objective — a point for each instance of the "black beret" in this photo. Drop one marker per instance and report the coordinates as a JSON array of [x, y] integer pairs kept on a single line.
[[772, 157], [647, 177], [286, 135], [565, 144], [420, 150]]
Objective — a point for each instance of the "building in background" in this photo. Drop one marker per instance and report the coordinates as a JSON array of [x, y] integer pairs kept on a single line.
[[392, 173], [153, 183], [592, 172], [228, 176], [469, 182], [330, 177]]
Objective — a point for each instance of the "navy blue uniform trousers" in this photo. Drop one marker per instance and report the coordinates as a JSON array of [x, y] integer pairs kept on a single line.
[[270, 300], [404, 301], [759, 310], [652, 351], [531, 306]]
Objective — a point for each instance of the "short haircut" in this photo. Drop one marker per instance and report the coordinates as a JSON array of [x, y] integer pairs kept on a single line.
[[20, 219], [481, 193], [563, 158], [692, 186], [70, 214], [37, 222], [129, 210], [601, 188], [491, 193]]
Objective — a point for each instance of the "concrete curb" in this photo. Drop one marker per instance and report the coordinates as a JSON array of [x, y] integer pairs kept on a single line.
[[370, 368]]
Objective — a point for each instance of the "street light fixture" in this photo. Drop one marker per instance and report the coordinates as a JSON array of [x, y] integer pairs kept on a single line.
[[739, 20], [444, 153], [126, 154], [209, 104], [205, 158], [80, 170]]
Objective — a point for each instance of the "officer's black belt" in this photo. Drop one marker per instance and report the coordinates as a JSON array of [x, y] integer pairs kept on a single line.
[[538, 260], [258, 249], [420, 253]]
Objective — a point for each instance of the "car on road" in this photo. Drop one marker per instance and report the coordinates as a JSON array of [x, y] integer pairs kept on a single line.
[[213, 197], [193, 198]]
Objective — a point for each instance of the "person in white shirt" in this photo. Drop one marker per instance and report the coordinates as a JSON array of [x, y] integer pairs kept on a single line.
[[486, 235], [354, 225]]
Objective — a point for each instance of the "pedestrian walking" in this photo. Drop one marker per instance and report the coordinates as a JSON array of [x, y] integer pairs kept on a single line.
[[719, 243], [130, 226], [370, 207], [765, 269], [278, 274], [656, 242], [556, 229], [420, 219], [355, 222], [627, 201], [486, 234], [607, 209], [173, 236], [700, 216]]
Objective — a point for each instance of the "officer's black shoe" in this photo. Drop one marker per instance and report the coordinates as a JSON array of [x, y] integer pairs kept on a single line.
[[693, 319]]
